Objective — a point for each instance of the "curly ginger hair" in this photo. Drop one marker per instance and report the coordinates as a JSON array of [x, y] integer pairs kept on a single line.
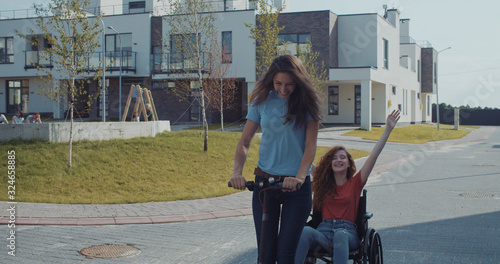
[[323, 183]]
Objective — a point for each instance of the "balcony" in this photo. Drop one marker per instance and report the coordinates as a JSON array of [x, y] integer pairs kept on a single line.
[[33, 59], [178, 63], [128, 59]]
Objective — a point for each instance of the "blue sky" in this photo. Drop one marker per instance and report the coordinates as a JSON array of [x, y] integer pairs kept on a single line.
[[469, 73]]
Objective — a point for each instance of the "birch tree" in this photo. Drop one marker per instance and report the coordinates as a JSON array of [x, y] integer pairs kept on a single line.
[[191, 29], [220, 87], [68, 41]]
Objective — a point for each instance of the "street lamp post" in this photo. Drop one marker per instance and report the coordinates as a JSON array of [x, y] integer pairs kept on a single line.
[[120, 85], [103, 82], [437, 93]]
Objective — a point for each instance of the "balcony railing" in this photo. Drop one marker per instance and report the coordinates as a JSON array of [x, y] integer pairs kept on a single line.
[[128, 60], [34, 59], [168, 63], [158, 9]]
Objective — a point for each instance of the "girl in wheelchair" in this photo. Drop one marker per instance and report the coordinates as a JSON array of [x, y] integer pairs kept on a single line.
[[337, 188]]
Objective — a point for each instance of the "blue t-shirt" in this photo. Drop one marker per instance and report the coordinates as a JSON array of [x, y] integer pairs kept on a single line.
[[281, 147]]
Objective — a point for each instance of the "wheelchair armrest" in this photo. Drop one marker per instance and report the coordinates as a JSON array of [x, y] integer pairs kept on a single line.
[[367, 215]]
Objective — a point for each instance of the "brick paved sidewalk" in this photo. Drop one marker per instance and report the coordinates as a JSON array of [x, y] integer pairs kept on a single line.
[[238, 204]]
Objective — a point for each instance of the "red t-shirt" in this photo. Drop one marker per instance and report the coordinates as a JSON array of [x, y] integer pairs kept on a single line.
[[344, 204]]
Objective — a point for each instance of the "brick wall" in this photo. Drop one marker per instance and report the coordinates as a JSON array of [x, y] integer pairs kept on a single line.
[[323, 29]]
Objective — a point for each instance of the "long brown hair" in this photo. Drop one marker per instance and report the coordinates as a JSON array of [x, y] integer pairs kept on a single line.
[[323, 183], [304, 98]]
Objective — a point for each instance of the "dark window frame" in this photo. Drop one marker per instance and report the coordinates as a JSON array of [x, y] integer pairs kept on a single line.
[[5, 56], [333, 100], [227, 47]]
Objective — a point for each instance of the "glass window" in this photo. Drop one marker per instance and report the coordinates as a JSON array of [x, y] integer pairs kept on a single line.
[[227, 47], [18, 96], [386, 54], [137, 4], [333, 100], [113, 42], [292, 43], [182, 54], [419, 69], [435, 73], [6, 50]]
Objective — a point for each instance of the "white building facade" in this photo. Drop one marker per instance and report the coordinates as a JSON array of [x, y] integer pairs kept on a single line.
[[374, 66]]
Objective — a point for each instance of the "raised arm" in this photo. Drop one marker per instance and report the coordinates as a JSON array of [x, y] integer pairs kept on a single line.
[[367, 168], [241, 153]]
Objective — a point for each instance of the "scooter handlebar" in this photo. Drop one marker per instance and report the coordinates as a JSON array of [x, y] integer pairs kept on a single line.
[[278, 185]]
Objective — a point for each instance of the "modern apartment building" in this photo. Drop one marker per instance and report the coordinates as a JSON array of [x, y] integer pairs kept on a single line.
[[374, 65]]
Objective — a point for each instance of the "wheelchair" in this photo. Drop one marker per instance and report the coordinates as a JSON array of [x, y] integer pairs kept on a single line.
[[370, 249]]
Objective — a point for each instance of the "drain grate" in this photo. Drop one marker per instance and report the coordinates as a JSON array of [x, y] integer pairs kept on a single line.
[[477, 195], [109, 251]]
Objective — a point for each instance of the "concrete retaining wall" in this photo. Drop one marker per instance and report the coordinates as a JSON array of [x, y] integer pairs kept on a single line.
[[59, 132]]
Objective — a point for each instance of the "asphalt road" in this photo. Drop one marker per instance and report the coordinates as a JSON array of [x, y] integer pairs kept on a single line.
[[434, 203]]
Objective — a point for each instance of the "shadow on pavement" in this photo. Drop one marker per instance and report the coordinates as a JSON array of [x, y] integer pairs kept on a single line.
[[249, 256], [470, 239]]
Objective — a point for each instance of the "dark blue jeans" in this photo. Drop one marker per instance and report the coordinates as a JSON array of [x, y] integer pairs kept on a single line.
[[293, 208]]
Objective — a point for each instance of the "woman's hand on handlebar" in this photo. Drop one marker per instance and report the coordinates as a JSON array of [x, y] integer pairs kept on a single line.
[[291, 183], [238, 182]]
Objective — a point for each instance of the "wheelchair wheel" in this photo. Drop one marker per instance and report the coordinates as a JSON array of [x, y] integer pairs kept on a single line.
[[375, 256], [366, 245]]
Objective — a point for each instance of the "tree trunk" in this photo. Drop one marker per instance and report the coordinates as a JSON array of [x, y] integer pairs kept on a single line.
[[221, 107], [203, 112], [205, 123], [71, 105]]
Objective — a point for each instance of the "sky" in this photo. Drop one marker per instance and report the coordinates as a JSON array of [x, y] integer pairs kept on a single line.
[[468, 73]]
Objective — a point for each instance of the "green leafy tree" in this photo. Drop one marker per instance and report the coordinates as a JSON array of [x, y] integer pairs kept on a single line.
[[66, 51], [265, 34], [315, 67]]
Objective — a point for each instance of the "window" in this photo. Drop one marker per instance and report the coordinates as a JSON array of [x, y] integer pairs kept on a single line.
[[113, 42], [419, 73], [182, 54], [114, 52], [435, 73], [6, 50], [137, 6], [35, 44], [227, 47], [394, 90], [386, 54], [292, 43], [333, 100], [18, 95]]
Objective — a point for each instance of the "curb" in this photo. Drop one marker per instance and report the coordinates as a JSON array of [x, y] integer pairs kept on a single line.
[[125, 220]]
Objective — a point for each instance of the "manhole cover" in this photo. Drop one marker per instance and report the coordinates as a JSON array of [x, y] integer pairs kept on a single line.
[[109, 251], [477, 195]]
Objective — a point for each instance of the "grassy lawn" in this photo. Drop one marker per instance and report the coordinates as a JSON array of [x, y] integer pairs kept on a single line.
[[171, 166], [416, 134]]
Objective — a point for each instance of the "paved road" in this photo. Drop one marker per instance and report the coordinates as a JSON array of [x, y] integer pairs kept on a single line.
[[432, 203]]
